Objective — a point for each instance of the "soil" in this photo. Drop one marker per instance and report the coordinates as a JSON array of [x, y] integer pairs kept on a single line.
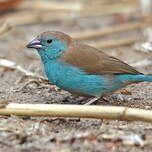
[[43, 134]]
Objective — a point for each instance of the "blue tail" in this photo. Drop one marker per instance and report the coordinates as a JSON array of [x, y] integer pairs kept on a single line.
[[136, 78]]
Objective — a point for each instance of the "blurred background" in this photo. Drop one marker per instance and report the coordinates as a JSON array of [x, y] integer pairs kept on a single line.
[[121, 28], [104, 24]]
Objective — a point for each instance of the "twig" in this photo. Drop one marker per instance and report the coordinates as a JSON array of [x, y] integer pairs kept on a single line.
[[57, 11], [50, 5], [29, 17], [147, 46], [82, 111], [4, 28], [116, 43], [108, 10], [82, 8], [13, 66], [112, 30], [142, 63]]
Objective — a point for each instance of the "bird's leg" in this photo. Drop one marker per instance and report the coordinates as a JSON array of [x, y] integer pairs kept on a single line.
[[93, 100], [103, 99]]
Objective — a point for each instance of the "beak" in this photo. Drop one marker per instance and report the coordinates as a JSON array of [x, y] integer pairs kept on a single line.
[[35, 43]]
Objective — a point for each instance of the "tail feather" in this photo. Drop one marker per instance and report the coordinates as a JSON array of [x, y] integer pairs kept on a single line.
[[135, 78], [147, 78]]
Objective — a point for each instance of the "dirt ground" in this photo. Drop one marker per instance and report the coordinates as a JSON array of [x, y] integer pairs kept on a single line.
[[39, 134]]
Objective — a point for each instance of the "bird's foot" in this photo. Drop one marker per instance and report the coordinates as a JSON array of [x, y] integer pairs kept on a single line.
[[93, 100], [104, 99]]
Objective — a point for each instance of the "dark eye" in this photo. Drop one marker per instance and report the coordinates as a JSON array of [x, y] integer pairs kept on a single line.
[[49, 41]]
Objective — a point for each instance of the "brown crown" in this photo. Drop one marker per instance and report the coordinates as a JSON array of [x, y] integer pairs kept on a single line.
[[59, 35]]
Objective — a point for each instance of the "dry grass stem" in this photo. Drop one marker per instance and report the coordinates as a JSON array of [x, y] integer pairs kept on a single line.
[[142, 63], [147, 46], [80, 7], [51, 5], [12, 65], [118, 42], [82, 111], [112, 30], [23, 18], [31, 12], [4, 27]]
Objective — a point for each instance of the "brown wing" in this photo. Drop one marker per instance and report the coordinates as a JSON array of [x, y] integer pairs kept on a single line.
[[94, 61]]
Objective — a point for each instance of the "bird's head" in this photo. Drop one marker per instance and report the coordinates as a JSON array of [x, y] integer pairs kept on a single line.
[[51, 44]]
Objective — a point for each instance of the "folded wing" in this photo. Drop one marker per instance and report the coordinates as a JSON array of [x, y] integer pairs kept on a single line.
[[94, 61]]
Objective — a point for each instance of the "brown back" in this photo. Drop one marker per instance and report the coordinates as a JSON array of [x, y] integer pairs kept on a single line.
[[94, 61]]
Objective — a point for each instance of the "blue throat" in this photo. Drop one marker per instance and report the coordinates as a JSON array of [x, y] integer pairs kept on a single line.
[[52, 52]]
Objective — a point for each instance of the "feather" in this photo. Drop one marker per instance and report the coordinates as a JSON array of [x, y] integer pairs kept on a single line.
[[94, 61]]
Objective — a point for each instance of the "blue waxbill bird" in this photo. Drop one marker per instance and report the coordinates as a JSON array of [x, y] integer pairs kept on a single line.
[[82, 69]]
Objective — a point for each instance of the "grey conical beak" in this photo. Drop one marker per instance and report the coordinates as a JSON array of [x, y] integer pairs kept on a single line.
[[35, 43]]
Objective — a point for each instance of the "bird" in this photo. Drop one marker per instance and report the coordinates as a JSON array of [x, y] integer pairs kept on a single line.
[[82, 69]]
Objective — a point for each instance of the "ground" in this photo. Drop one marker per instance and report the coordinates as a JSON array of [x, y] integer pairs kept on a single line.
[[32, 134]]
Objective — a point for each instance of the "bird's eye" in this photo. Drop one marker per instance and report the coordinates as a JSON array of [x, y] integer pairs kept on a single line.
[[49, 41]]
